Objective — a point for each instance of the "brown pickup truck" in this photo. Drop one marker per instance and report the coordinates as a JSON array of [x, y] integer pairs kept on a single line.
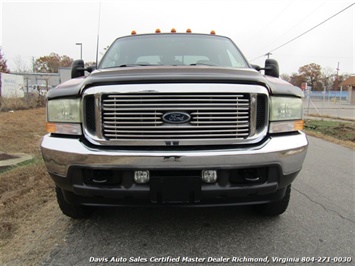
[[174, 119]]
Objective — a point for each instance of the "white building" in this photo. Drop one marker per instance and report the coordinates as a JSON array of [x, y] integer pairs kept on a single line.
[[11, 86]]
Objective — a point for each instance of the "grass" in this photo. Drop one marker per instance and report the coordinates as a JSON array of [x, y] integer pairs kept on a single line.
[[340, 130], [26, 187], [336, 131], [28, 162], [28, 102]]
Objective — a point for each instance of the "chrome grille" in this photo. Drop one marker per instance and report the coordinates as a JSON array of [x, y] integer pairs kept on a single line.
[[135, 116]]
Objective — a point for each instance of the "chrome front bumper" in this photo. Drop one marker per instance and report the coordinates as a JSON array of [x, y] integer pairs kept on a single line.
[[286, 151]]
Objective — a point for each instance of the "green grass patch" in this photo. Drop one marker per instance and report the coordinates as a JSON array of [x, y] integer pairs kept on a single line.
[[33, 161], [339, 130]]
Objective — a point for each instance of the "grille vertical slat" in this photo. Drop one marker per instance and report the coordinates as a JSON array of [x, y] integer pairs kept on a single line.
[[261, 112], [89, 104]]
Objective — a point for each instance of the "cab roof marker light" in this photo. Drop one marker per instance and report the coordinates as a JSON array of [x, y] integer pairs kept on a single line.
[[173, 30], [157, 31], [188, 31], [133, 32], [213, 32]]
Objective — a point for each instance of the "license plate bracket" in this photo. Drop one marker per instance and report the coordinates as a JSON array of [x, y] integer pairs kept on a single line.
[[175, 189]]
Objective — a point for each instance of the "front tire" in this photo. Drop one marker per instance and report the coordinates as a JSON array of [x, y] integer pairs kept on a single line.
[[73, 211], [275, 208]]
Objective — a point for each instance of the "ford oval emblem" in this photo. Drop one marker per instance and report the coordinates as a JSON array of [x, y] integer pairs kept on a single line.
[[176, 118]]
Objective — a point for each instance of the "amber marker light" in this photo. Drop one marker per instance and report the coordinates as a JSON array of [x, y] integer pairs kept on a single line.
[[188, 31], [133, 32], [173, 30], [213, 32], [157, 31], [298, 125], [51, 127]]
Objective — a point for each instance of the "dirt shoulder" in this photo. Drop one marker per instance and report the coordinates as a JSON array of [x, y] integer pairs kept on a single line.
[[30, 222], [35, 236]]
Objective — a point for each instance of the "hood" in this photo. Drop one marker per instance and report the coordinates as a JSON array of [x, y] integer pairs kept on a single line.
[[281, 87], [169, 74]]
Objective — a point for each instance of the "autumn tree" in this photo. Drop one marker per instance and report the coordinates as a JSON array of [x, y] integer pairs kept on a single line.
[[3, 65], [285, 77], [51, 63], [317, 77], [312, 74], [297, 79]]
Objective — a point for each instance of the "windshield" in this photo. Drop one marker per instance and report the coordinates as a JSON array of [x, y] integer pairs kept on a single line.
[[173, 50]]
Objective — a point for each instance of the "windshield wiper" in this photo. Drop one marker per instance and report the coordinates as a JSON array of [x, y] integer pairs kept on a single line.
[[203, 64], [134, 65]]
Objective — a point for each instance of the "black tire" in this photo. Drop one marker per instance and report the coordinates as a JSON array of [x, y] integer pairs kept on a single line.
[[73, 211], [275, 208]]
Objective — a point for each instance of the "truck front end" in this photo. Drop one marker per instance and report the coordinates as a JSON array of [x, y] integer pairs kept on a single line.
[[174, 120]]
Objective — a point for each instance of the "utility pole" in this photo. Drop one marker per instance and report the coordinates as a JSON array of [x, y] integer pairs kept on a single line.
[[81, 49], [337, 83], [33, 64], [268, 55]]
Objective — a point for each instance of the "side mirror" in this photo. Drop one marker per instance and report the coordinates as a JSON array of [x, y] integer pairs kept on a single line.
[[77, 69], [272, 68], [256, 67], [90, 68]]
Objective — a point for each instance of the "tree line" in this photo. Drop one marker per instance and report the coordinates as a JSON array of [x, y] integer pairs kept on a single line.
[[317, 77]]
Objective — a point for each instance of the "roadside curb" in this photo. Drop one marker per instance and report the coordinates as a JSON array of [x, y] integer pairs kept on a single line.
[[329, 118], [21, 157]]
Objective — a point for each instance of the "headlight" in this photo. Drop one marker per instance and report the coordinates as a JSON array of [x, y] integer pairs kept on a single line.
[[285, 114], [63, 116], [285, 108], [64, 110]]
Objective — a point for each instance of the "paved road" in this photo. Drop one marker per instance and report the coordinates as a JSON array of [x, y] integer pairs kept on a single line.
[[320, 222]]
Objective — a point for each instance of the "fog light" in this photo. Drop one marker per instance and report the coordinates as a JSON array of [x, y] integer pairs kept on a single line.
[[141, 177], [209, 176]]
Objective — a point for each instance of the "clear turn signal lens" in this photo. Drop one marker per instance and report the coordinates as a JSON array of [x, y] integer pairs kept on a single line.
[[64, 128], [286, 126]]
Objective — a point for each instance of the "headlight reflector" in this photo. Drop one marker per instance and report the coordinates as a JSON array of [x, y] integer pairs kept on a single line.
[[64, 110], [285, 108]]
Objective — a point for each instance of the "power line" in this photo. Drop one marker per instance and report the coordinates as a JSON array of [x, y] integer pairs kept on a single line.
[[295, 25], [305, 32], [270, 22]]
